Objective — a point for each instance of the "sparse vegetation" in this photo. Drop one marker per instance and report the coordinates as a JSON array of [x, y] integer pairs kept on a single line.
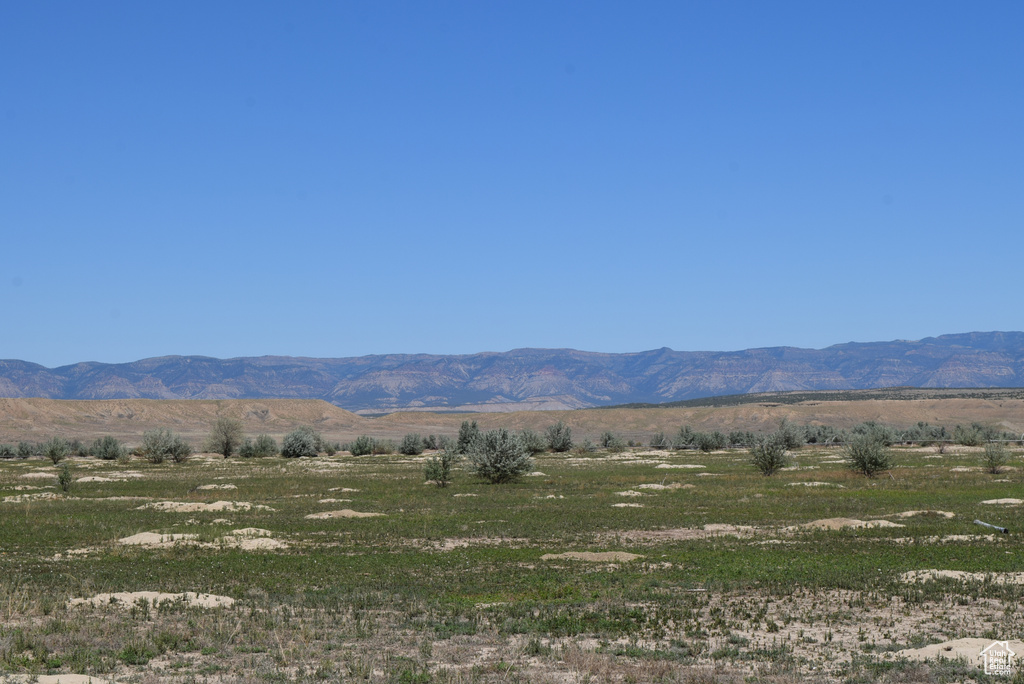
[[108, 449], [261, 447], [439, 468], [995, 457], [768, 454], [57, 449], [499, 456], [559, 437], [160, 445], [867, 455], [412, 445], [64, 478], [225, 437], [302, 442]]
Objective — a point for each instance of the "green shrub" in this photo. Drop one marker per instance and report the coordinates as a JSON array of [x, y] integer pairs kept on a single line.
[[64, 478], [160, 445], [995, 457], [768, 454], [108, 448], [686, 438], [584, 448], [57, 449], [559, 437], [25, 449], [499, 456], [968, 436], [331, 448], [439, 468], [866, 454], [264, 445], [710, 441], [430, 442], [790, 435], [469, 432], [659, 441], [612, 443], [78, 448], [411, 445], [383, 446], [6, 451], [301, 442], [363, 446], [225, 437], [532, 442]]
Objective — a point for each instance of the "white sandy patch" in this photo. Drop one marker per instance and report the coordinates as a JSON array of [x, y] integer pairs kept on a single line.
[[911, 514], [219, 521], [188, 507], [963, 576], [55, 679], [629, 492], [156, 539], [549, 496], [946, 539], [815, 484], [843, 523], [465, 495], [345, 513], [342, 489], [684, 533], [627, 505], [1003, 502], [326, 501], [37, 496], [217, 486], [965, 649], [536, 473], [604, 557], [674, 485], [678, 466], [962, 469], [155, 598], [29, 488], [97, 478], [38, 476], [709, 474]]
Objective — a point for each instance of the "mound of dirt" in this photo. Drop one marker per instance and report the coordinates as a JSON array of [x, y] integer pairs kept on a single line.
[[1004, 502], [155, 539], [684, 533], [961, 576], [910, 514], [844, 523], [37, 496], [965, 649], [344, 513], [190, 507], [604, 557], [155, 598]]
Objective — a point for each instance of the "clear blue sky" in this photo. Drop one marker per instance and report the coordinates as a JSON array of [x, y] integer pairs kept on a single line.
[[349, 178]]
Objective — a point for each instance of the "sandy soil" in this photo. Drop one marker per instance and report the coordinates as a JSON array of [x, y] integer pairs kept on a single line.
[[962, 576], [128, 599], [605, 557], [966, 649], [344, 513], [190, 507]]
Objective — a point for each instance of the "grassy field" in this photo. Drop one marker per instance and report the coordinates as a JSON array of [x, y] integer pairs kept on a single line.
[[681, 567]]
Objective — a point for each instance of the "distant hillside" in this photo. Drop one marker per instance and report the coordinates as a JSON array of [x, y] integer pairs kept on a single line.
[[535, 379]]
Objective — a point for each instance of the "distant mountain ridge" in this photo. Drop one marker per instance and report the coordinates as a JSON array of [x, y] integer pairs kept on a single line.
[[535, 379]]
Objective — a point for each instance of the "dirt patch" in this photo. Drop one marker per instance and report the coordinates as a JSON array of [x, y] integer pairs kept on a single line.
[[911, 514], [844, 523], [815, 484], [156, 539], [1004, 502], [188, 507], [627, 505], [674, 485], [591, 557], [327, 501], [684, 533], [344, 513], [97, 478], [155, 598], [629, 492], [38, 476], [55, 679], [37, 496], [246, 539], [216, 486], [961, 576], [678, 466], [969, 650]]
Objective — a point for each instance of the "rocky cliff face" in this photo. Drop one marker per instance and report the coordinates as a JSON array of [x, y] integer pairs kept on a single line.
[[535, 378]]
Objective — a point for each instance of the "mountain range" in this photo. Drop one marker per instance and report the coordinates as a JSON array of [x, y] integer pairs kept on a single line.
[[535, 379]]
